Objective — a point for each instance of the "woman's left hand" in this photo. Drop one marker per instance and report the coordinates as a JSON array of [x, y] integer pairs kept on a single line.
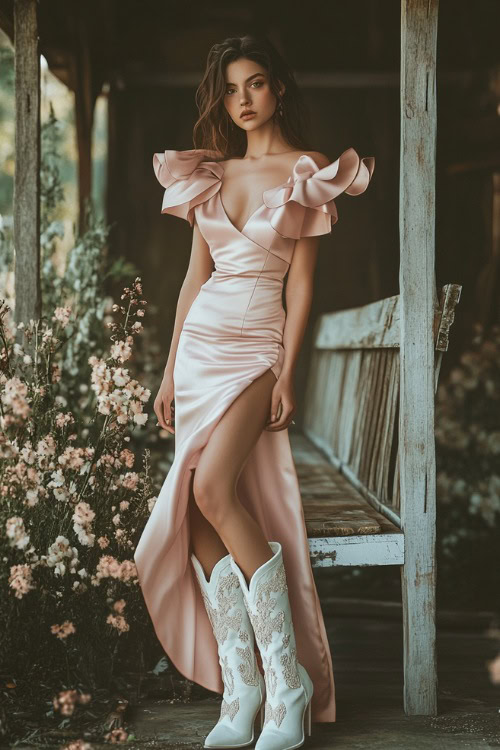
[[282, 405]]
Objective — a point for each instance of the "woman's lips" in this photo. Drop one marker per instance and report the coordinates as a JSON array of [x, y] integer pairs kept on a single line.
[[248, 116]]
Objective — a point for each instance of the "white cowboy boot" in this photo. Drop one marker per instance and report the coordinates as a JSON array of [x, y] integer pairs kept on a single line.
[[289, 688], [244, 686]]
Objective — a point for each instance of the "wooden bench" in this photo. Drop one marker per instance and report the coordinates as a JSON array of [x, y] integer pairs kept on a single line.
[[347, 455]]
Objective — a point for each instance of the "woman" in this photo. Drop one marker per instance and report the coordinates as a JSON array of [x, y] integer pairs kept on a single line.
[[230, 505]]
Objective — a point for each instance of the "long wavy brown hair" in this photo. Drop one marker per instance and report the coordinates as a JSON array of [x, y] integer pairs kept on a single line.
[[215, 130]]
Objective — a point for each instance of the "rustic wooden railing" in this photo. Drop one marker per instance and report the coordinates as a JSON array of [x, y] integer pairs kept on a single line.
[[348, 456]]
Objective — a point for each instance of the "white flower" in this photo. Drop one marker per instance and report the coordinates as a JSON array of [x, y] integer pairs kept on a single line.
[[32, 497], [121, 376], [16, 532], [151, 502], [59, 551], [57, 479]]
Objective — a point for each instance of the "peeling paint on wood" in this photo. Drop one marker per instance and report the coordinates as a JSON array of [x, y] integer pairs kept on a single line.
[[27, 157], [418, 302]]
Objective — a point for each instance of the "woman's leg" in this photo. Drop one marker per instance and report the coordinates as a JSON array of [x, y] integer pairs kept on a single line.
[[219, 512], [205, 541]]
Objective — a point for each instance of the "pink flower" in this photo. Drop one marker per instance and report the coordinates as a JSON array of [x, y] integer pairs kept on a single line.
[[83, 513], [62, 631], [62, 420], [121, 351], [14, 396], [21, 580], [127, 457], [66, 701], [78, 745], [62, 314], [109, 567], [118, 622], [116, 735], [130, 480]]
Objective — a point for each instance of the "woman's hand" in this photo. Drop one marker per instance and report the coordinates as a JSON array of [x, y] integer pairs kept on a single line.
[[164, 407], [282, 405]]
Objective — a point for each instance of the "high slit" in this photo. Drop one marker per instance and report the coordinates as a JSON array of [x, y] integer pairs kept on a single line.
[[232, 334]]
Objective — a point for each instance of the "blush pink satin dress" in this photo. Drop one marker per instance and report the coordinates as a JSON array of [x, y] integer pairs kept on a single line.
[[231, 335]]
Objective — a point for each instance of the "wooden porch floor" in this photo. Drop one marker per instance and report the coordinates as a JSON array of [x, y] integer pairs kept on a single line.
[[366, 653]]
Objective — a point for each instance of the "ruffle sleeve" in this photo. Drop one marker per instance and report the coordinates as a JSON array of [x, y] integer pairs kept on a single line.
[[304, 205], [189, 178]]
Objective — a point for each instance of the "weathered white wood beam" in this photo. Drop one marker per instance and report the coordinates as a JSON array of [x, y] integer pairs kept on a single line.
[[369, 549], [377, 324], [27, 172], [417, 288]]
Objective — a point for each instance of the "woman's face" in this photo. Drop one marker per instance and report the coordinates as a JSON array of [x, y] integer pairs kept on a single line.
[[247, 87]]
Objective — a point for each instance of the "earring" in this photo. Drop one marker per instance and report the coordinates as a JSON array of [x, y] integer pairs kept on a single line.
[[280, 110]]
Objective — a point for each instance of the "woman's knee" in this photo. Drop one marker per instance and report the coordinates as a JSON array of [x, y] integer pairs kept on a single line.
[[213, 495]]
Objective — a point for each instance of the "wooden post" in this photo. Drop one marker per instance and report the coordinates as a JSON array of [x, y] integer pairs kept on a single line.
[[418, 295], [84, 82], [27, 173]]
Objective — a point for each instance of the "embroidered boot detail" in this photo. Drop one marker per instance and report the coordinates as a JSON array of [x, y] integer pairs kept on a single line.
[[231, 709], [226, 599], [289, 664], [269, 675], [274, 714], [248, 669], [227, 675], [263, 622]]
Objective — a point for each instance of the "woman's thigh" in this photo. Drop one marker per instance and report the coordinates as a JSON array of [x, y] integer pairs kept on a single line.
[[230, 444]]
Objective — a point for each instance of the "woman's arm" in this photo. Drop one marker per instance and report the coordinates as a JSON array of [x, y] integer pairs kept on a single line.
[[199, 270], [298, 295]]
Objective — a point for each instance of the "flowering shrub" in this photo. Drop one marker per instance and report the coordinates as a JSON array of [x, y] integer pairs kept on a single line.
[[73, 501], [468, 471]]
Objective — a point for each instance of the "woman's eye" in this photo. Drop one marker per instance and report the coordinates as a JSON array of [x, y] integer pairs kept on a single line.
[[258, 84]]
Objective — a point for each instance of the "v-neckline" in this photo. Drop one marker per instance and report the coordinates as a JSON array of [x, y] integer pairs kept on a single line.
[[226, 215], [259, 208]]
